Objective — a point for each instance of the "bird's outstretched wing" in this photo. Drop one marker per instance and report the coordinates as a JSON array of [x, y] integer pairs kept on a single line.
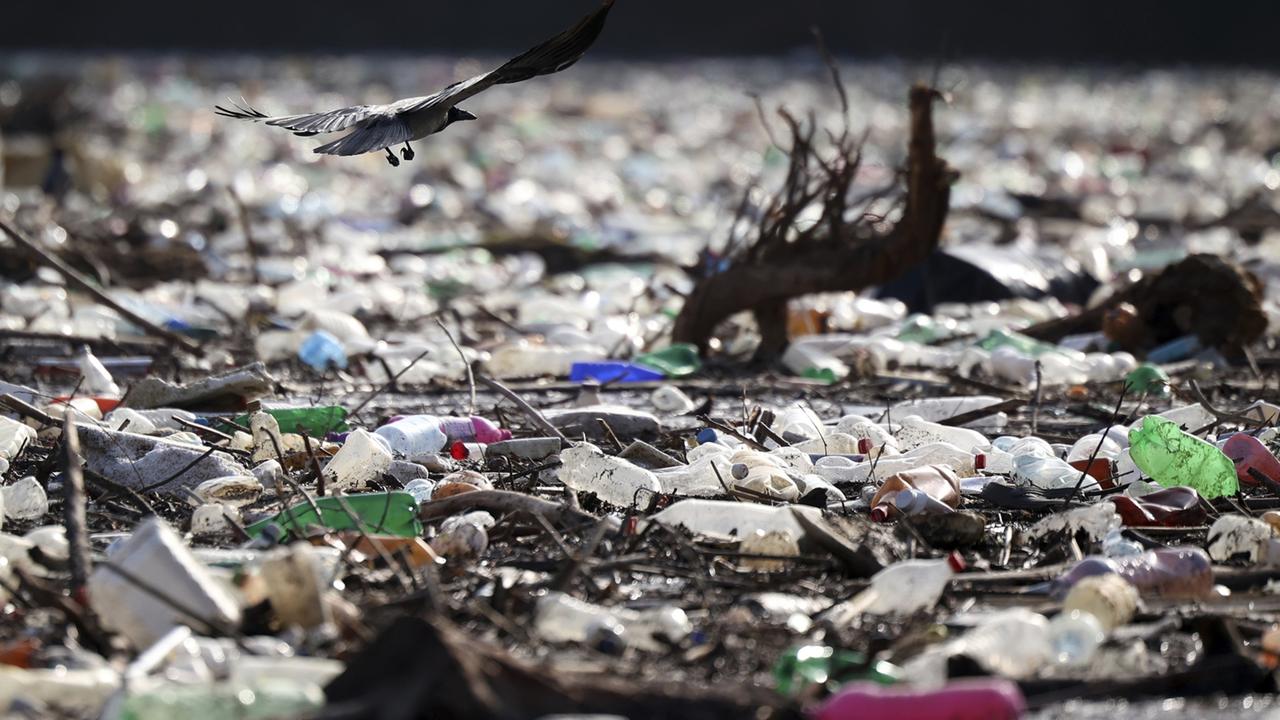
[[558, 53], [305, 124], [381, 132]]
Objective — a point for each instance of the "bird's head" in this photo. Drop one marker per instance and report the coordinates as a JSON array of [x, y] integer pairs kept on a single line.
[[458, 115]]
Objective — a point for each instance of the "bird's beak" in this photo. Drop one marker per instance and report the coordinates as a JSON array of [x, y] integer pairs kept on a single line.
[[464, 115]]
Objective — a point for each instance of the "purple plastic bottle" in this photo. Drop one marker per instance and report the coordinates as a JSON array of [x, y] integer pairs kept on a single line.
[[969, 699], [1181, 573], [472, 430]]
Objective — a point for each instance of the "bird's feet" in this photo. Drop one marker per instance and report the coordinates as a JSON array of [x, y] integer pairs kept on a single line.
[[391, 158], [407, 152]]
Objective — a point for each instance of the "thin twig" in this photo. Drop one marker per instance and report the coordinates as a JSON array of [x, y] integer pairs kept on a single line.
[[74, 507], [471, 378], [534, 416]]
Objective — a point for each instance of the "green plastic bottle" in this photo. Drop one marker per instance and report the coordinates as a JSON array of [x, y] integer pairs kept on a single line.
[[315, 421], [382, 513], [1023, 344], [1176, 458], [679, 360], [1147, 379], [808, 665]]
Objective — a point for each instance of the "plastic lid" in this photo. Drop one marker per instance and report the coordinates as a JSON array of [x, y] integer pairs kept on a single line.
[[956, 561], [980, 461], [864, 445], [739, 471], [880, 513]]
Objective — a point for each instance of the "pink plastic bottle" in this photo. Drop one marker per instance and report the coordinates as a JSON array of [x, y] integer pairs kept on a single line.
[[969, 699], [1247, 452], [472, 430]]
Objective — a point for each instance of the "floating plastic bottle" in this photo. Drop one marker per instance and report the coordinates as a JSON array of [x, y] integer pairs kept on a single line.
[[1169, 507], [813, 363], [708, 476], [262, 698], [322, 351], [1147, 379], [905, 587], [414, 436], [938, 482], [1180, 573], [675, 361], [1050, 473], [729, 518], [1172, 457], [472, 430], [315, 421], [915, 431], [585, 468], [801, 667], [1254, 462], [1075, 636], [1109, 598], [978, 699], [763, 474], [381, 513], [563, 618]]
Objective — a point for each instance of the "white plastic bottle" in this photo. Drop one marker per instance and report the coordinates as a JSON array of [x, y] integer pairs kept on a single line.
[[586, 468], [916, 431], [734, 519], [698, 479], [414, 436], [907, 586], [97, 381]]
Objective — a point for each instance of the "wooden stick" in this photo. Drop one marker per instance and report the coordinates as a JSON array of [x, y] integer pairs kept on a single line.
[[74, 507], [534, 416], [80, 282]]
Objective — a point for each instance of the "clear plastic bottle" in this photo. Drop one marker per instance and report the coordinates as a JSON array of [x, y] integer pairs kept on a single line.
[[414, 436], [25, 500], [1116, 545], [907, 586], [1178, 573], [562, 618], [699, 478], [730, 518], [915, 431], [585, 468], [762, 473], [1050, 473], [1075, 636]]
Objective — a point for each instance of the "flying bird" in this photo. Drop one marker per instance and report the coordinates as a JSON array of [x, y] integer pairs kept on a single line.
[[382, 127]]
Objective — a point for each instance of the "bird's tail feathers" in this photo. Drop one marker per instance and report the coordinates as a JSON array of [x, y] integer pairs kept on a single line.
[[242, 111]]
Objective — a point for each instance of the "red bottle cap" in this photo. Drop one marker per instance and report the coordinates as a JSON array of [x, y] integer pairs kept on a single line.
[[864, 445], [459, 451], [956, 561], [980, 461], [880, 513]]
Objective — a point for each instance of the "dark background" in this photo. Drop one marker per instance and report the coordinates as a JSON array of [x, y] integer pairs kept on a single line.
[[1228, 32]]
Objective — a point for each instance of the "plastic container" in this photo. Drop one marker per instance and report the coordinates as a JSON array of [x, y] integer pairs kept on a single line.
[[1234, 537], [296, 581], [1110, 599], [699, 479], [156, 555], [315, 421], [1172, 457], [1169, 507], [799, 668], [672, 400], [1050, 473], [938, 482], [361, 459], [763, 474], [813, 362], [24, 500], [978, 699], [14, 438], [585, 468], [1180, 573]]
